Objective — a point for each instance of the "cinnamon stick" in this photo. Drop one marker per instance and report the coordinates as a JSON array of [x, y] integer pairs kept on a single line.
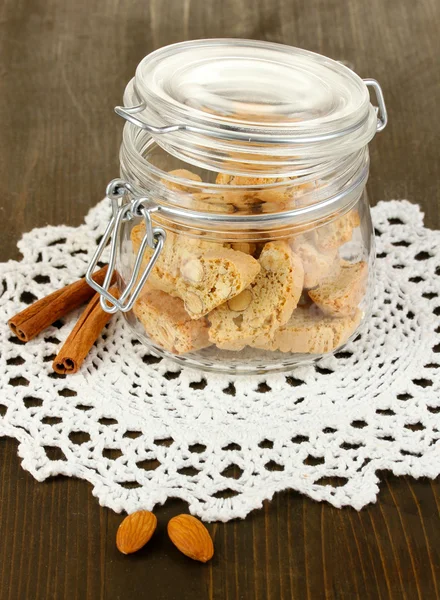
[[82, 337], [32, 320]]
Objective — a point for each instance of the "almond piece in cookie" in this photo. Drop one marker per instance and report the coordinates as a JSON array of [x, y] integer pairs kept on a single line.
[[241, 302], [309, 331], [168, 325], [265, 305], [340, 294]]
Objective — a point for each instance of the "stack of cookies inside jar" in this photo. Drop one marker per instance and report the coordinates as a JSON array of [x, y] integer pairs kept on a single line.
[[300, 291]]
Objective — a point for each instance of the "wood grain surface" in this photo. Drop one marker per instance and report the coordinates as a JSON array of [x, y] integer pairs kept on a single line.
[[63, 67]]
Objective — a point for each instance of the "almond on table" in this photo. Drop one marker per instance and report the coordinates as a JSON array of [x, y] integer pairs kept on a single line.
[[135, 531], [191, 537]]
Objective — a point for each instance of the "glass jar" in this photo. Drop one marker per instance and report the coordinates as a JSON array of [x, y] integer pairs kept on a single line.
[[241, 231]]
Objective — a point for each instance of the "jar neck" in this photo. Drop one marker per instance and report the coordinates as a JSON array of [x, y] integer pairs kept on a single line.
[[142, 158], [330, 188]]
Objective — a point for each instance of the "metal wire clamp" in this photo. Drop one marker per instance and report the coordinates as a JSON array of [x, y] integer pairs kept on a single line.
[[154, 238], [382, 115]]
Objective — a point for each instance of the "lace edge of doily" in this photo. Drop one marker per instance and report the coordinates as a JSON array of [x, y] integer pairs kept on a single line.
[[212, 509]]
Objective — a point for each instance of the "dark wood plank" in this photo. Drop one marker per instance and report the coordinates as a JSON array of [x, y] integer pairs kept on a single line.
[[63, 68], [57, 543]]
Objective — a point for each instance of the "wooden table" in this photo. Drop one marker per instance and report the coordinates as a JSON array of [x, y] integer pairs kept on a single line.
[[64, 65]]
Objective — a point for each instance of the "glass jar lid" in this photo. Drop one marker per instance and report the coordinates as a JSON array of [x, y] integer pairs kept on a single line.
[[245, 105]]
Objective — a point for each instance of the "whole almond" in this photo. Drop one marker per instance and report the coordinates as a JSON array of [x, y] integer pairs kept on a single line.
[[241, 302], [194, 305], [192, 270], [135, 531], [191, 537]]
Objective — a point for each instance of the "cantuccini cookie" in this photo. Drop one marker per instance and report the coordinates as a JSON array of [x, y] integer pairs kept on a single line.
[[214, 277], [264, 305], [168, 324], [182, 174], [203, 274], [177, 248], [309, 331], [263, 200], [195, 199], [340, 294], [336, 233], [317, 264]]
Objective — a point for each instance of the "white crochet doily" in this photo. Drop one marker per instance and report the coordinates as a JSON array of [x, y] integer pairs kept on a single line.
[[141, 430]]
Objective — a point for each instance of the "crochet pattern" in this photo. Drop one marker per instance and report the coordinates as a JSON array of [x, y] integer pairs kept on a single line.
[[141, 429]]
